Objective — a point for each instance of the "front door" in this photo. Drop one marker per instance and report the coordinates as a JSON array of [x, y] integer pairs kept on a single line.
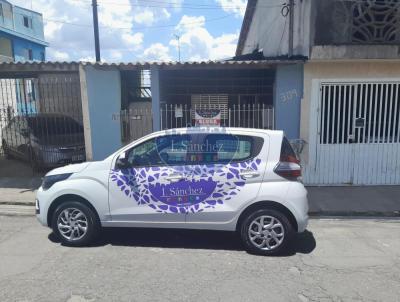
[[150, 188], [358, 135]]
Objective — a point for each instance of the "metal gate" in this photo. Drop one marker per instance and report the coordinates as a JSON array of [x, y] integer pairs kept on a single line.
[[358, 135], [258, 116], [137, 121], [41, 120]]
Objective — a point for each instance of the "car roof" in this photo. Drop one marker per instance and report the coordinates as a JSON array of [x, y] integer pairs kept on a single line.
[[221, 130]]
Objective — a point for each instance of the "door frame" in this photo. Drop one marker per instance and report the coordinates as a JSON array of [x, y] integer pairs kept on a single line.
[[313, 123]]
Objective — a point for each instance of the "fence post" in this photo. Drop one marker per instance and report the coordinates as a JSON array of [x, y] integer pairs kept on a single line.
[[155, 97]]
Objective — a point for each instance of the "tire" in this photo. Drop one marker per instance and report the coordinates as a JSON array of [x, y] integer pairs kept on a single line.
[[266, 243], [84, 217]]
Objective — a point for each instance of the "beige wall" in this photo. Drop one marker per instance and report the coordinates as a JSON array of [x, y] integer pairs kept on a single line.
[[345, 71]]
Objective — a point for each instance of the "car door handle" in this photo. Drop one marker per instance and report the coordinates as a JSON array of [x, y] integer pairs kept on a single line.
[[175, 177], [249, 174]]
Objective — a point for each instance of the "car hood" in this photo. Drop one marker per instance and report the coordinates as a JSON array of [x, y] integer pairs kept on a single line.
[[73, 168]]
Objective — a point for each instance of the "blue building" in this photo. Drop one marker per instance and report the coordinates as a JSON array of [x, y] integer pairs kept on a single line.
[[21, 34]]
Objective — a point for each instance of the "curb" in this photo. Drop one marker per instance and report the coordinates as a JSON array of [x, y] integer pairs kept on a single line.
[[354, 214], [17, 210], [18, 203]]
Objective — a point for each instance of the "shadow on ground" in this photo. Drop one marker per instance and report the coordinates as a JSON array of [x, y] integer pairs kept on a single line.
[[189, 239], [18, 174]]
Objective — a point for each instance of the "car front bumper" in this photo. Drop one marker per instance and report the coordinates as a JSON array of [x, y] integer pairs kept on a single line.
[[43, 199], [49, 159]]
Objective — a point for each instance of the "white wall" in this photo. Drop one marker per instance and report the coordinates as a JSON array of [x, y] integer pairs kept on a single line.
[[101, 107], [268, 30]]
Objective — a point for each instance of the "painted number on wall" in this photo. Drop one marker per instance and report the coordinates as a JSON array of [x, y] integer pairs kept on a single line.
[[288, 95]]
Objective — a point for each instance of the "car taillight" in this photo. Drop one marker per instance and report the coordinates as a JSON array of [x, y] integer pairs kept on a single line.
[[288, 166]]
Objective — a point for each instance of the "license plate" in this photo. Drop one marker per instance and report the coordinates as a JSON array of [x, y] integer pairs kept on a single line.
[[79, 157]]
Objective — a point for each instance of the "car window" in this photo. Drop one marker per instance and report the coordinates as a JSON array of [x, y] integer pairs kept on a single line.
[[194, 149], [224, 148], [53, 125], [160, 151]]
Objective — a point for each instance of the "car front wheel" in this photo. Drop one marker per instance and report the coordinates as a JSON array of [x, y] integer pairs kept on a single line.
[[266, 232], [75, 224]]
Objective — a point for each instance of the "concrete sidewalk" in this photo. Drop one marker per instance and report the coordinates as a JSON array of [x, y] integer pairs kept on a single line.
[[18, 183], [355, 201], [18, 190]]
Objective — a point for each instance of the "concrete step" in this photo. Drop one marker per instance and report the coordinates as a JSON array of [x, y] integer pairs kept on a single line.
[[16, 210]]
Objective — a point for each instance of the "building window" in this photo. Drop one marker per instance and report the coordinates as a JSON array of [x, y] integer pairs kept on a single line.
[[1, 11], [30, 54], [5, 49], [42, 56], [27, 22]]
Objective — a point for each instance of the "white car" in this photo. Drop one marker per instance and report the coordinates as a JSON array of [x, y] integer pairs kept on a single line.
[[230, 179]]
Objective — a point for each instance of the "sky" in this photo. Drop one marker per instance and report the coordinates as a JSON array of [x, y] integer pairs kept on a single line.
[[140, 30]]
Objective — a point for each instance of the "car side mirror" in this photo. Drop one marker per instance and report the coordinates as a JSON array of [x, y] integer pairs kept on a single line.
[[122, 162]]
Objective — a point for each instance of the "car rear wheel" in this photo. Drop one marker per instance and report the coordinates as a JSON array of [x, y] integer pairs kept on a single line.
[[75, 224], [266, 232]]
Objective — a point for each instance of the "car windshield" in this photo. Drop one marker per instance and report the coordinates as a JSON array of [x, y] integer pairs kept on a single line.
[[53, 125]]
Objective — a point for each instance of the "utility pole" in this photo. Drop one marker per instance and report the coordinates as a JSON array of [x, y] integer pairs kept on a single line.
[[178, 38], [291, 26], [96, 30]]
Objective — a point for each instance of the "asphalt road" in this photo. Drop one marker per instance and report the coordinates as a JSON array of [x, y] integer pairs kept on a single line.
[[336, 260]]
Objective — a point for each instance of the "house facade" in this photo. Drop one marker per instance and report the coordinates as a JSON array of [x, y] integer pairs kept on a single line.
[[21, 34], [21, 40], [350, 104], [325, 71]]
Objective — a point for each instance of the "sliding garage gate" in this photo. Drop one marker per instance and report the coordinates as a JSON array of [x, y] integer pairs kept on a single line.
[[358, 135]]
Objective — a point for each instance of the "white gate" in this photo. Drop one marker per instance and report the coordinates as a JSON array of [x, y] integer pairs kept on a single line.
[[357, 139]]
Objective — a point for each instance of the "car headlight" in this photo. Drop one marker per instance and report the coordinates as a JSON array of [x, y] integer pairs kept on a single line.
[[50, 180]]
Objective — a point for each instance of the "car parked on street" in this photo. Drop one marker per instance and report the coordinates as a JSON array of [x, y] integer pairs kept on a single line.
[[230, 179], [45, 139]]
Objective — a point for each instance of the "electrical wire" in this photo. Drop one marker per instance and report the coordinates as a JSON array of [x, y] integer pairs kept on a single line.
[[175, 5], [283, 33], [141, 28]]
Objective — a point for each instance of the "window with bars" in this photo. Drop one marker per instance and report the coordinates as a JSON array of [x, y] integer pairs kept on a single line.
[[359, 113], [210, 101]]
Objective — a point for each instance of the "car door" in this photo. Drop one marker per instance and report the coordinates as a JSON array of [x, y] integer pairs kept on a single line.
[[149, 188], [233, 165]]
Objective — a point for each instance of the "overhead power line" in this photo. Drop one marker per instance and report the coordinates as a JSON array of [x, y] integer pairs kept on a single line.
[[159, 4], [140, 28]]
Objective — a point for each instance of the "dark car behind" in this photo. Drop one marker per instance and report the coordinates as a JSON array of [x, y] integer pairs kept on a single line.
[[48, 140]]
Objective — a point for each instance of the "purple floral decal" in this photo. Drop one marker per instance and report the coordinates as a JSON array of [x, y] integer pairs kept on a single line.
[[204, 186]]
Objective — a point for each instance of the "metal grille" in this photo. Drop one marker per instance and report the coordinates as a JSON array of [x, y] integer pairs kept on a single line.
[[41, 119], [358, 139], [344, 22], [247, 116], [136, 121], [360, 113], [211, 101]]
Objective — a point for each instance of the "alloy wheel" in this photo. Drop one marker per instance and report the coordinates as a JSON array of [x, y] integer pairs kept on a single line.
[[266, 232], [72, 224]]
